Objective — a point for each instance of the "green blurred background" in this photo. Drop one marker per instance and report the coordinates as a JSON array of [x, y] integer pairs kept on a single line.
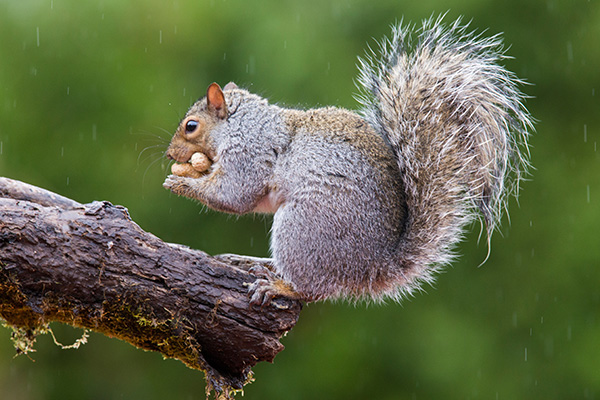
[[91, 91]]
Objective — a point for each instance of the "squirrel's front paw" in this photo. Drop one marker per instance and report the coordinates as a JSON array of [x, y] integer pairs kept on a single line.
[[170, 181], [177, 184]]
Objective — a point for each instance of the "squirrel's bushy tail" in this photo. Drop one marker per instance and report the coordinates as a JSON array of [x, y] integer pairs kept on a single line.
[[456, 121]]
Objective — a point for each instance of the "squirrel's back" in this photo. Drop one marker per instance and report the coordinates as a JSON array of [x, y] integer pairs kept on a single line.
[[455, 119]]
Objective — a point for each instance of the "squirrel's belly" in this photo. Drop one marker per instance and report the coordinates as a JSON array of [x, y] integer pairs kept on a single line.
[[269, 203]]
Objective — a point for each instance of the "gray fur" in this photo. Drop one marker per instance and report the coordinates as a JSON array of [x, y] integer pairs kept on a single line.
[[371, 206], [455, 118]]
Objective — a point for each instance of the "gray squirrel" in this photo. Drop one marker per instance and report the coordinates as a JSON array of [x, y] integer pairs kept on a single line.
[[368, 204]]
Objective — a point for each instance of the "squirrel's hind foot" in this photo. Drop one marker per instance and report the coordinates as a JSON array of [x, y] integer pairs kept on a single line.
[[264, 290]]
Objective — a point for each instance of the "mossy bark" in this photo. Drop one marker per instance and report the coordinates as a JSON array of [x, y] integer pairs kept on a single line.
[[90, 266]]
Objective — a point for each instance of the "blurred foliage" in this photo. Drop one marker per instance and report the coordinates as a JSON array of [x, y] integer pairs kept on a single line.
[[91, 91]]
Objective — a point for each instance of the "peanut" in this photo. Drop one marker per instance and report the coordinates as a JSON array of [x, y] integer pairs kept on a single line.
[[200, 162], [185, 170]]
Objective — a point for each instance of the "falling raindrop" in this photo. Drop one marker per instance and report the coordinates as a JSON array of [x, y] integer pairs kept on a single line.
[[588, 193], [570, 51], [251, 66]]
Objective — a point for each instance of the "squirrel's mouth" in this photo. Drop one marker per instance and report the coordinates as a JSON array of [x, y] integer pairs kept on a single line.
[[198, 165]]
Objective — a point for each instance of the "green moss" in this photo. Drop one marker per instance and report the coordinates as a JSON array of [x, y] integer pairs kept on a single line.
[[24, 338], [126, 319]]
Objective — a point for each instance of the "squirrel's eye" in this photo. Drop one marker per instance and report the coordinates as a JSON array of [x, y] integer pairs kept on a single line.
[[191, 126]]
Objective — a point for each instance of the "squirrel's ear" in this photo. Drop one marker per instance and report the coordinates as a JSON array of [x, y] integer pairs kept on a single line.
[[216, 101], [231, 86]]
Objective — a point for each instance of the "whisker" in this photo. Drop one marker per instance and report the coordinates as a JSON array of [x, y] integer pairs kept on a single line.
[[162, 148]]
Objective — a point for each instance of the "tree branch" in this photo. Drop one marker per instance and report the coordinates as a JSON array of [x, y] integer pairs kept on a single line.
[[90, 266]]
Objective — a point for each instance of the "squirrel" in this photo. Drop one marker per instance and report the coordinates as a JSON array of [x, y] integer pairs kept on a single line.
[[367, 204]]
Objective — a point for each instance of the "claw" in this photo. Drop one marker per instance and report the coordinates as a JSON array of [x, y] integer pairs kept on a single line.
[[262, 292], [173, 181], [168, 183]]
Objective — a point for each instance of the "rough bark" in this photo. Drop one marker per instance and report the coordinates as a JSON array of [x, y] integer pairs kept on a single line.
[[90, 266]]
